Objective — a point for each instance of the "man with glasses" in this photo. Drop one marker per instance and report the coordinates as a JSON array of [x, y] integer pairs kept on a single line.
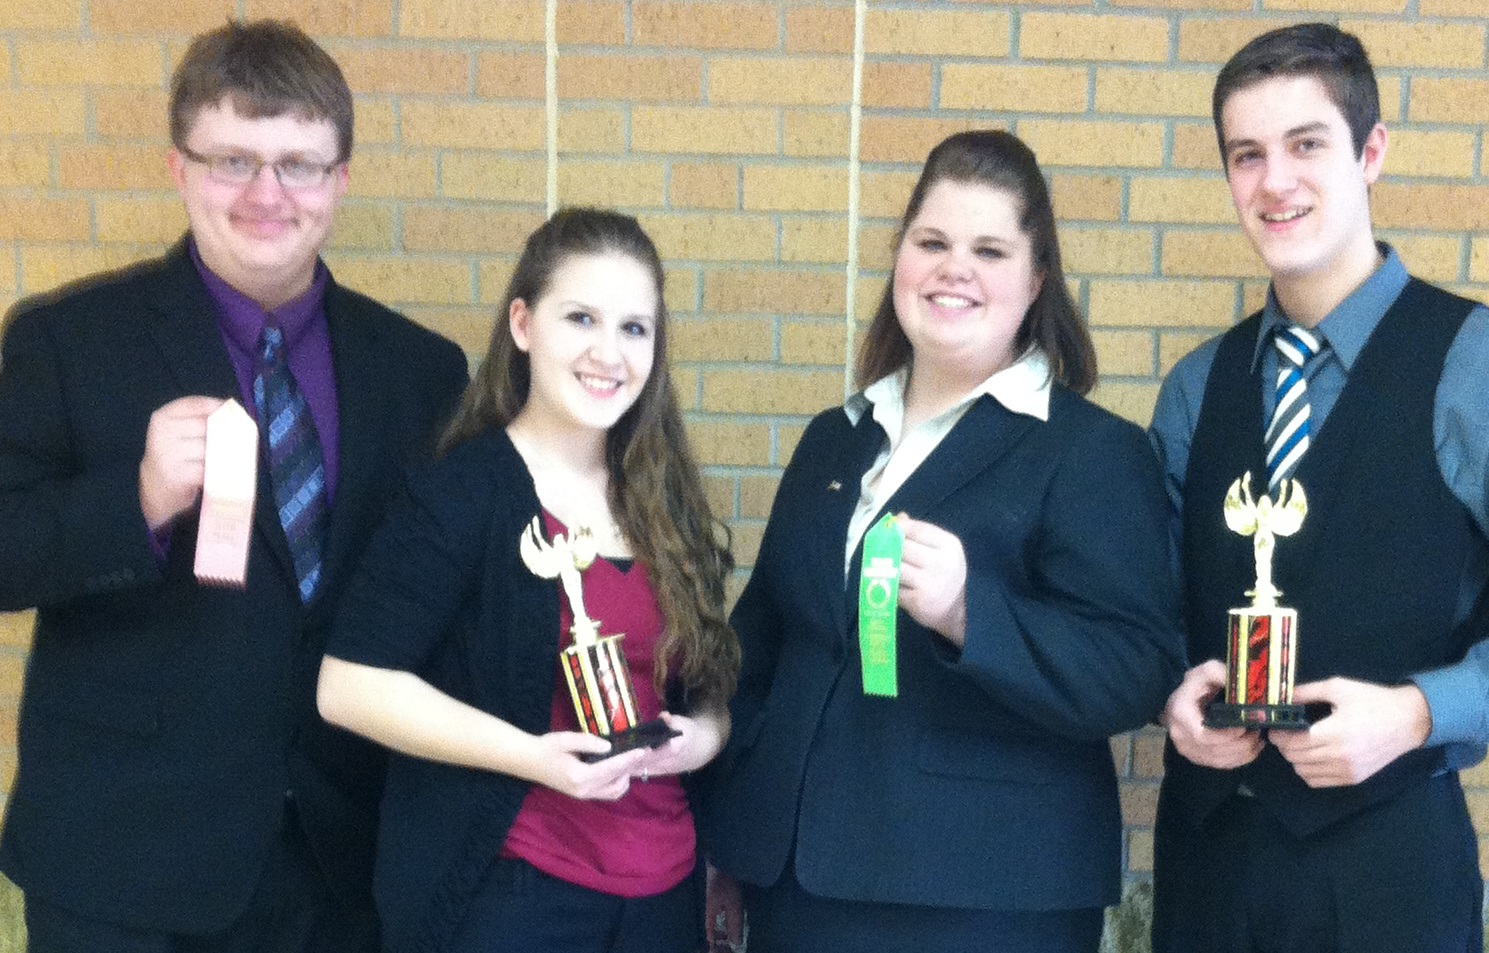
[[176, 788]]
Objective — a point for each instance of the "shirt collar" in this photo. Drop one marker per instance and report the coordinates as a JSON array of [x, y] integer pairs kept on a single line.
[[1350, 324], [243, 319], [1023, 387]]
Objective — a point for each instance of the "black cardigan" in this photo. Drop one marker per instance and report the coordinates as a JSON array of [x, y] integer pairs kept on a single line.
[[443, 592]]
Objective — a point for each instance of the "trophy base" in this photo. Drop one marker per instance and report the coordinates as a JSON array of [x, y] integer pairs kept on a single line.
[[1272, 717], [651, 734]]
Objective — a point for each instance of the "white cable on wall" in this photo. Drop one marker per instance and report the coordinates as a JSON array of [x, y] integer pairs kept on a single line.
[[550, 86], [855, 117]]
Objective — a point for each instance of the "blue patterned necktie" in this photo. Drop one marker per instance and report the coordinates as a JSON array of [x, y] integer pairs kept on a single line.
[[296, 469], [1289, 432]]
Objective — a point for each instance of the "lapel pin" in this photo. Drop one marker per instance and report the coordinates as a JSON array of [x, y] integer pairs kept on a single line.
[[834, 486]]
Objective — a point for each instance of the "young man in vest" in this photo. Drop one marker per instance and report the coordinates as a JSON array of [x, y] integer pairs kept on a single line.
[[177, 790], [1351, 836]]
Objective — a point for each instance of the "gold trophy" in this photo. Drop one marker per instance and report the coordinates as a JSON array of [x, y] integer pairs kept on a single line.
[[1261, 647], [594, 666]]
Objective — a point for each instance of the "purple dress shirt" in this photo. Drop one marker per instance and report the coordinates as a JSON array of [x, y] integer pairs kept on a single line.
[[307, 339]]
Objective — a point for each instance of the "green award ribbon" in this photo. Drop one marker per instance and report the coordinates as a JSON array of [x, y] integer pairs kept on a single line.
[[878, 604]]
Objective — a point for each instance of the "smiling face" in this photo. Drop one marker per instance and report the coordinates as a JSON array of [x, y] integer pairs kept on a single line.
[[260, 238], [964, 278], [1300, 188], [590, 341]]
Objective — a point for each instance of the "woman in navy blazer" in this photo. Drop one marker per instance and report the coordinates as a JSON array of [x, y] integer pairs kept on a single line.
[[977, 809]]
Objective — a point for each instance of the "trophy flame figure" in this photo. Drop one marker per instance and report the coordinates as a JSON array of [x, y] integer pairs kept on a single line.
[[595, 668], [566, 559], [1265, 520]]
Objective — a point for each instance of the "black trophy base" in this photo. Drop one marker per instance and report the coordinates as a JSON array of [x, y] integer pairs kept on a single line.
[[1271, 717], [651, 734]]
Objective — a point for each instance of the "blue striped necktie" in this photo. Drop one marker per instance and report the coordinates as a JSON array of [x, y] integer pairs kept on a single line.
[[1289, 431], [296, 469]]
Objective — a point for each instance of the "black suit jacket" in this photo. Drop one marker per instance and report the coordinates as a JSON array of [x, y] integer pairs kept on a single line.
[[988, 782], [162, 722]]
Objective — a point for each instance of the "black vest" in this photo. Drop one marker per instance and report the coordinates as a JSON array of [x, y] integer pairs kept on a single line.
[[1375, 571]]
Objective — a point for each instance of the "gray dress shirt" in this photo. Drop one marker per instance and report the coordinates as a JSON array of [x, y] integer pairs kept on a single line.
[[1457, 695]]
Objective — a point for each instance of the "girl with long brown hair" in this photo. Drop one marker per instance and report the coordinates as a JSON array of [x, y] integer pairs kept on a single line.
[[504, 826]]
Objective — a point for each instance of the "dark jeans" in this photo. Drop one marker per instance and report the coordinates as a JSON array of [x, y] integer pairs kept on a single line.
[[291, 911], [520, 909]]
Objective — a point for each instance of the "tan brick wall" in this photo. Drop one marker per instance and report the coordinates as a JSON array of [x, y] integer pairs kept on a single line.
[[725, 125]]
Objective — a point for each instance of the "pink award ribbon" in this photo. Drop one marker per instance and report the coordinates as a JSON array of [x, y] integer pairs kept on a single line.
[[228, 486]]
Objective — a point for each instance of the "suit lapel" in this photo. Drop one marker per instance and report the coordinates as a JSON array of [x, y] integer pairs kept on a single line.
[[186, 334], [184, 329], [984, 435], [855, 456], [361, 402]]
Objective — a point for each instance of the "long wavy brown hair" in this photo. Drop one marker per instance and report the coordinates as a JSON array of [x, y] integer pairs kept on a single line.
[[656, 492]]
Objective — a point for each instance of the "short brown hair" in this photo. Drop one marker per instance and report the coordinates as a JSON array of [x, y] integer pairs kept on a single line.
[[1320, 50], [265, 68]]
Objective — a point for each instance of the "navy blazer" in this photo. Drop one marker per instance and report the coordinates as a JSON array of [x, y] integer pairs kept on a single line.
[[162, 721], [988, 782]]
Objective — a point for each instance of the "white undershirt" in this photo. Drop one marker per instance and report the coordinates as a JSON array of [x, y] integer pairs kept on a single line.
[[1023, 387]]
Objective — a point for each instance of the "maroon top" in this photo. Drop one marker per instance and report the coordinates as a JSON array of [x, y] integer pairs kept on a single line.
[[644, 843]]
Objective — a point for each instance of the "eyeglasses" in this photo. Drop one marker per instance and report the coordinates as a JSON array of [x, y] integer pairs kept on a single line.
[[237, 169]]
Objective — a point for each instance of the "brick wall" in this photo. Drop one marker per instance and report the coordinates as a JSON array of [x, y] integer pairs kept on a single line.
[[728, 128]]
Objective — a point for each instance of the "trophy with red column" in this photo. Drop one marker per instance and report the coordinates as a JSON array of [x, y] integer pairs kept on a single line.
[[1262, 641], [594, 666]]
